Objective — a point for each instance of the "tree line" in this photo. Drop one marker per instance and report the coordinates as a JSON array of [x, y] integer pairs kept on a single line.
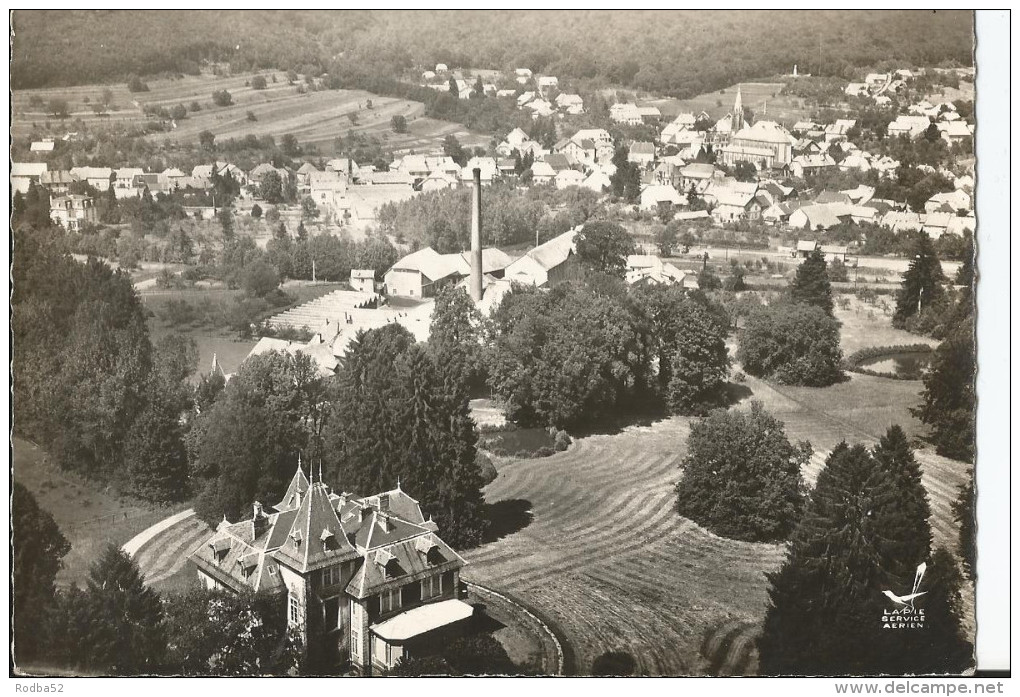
[[645, 50]]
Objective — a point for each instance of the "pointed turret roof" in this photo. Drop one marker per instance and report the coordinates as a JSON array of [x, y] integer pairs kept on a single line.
[[316, 537], [295, 490], [738, 113]]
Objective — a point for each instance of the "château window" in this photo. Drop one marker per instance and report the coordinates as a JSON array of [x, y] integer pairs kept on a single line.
[[331, 576], [431, 587], [389, 601], [293, 609]]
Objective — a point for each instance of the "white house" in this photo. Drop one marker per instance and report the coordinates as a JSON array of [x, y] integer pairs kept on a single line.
[[548, 264], [568, 177], [655, 194], [23, 174]]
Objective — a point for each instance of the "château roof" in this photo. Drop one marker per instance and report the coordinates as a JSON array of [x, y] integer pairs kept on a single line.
[[387, 531]]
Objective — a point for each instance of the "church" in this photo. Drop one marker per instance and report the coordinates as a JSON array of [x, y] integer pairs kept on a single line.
[[366, 581], [765, 144]]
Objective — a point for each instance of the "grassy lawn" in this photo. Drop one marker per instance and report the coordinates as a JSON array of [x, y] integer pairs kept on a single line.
[[89, 515], [866, 325]]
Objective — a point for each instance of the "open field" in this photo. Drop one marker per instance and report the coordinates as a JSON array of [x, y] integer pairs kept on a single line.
[[88, 515], [315, 118], [866, 325], [765, 99]]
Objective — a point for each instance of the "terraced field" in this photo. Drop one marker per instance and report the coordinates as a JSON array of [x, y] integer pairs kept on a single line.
[[314, 117]]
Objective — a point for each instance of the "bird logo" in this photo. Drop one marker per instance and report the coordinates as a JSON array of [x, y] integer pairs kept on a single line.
[[908, 600]]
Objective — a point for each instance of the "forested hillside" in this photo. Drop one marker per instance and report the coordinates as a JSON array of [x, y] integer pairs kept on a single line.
[[679, 53]]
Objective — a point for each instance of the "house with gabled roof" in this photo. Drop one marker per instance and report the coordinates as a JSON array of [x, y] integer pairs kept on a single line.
[[422, 273], [367, 579], [548, 264]]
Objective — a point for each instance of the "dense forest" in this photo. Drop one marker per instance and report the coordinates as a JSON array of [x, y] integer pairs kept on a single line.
[[679, 53]]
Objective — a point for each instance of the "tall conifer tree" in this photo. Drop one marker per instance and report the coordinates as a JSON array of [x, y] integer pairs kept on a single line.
[[811, 284]]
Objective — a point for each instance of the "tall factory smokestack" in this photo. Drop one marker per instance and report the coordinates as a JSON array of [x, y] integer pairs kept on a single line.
[[476, 237]]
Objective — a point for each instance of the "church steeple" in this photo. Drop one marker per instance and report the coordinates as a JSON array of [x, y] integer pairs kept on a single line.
[[737, 121]]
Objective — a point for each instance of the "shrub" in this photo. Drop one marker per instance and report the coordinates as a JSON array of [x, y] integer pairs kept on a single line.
[[135, 84], [794, 344], [562, 441], [222, 98], [741, 476], [613, 663]]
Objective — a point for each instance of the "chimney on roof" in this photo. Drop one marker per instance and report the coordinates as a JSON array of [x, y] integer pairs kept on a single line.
[[476, 237], [385, 522], [259, 519]]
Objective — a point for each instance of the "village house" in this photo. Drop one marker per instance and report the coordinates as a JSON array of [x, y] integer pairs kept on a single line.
[[626, 113], [327, 189], [954, 131], [856, 89], [901, 221], [548, 264], [73, 212], [423, 273], [778, 213], [363, 280], [598, 181], [655, 195], [542, 173], [804, 165], [820, 216], [732, 205], [647, 269], [98, 178], [697, 174], [568, 177], [649, 114], [838, 130], [641, 154], [578, 152], [546, 82], [948, 202], [57, 181], [45, 145], [910, 126], [438, 181], [567, 102], [368, 577], [766, 145], [540, 107], [488, 168]]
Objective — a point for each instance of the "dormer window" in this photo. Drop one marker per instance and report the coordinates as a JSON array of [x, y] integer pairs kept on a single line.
[[295, 535], [220, 548], [328, 539], [248, 564]]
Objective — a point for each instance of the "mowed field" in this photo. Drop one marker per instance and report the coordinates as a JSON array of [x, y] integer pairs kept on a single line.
[[765, 99], [314, 117], [608, 560]]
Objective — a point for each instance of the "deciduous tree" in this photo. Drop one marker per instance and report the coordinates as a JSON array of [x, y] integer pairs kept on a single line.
[[794, 344], [603, 247], [741, 476]]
